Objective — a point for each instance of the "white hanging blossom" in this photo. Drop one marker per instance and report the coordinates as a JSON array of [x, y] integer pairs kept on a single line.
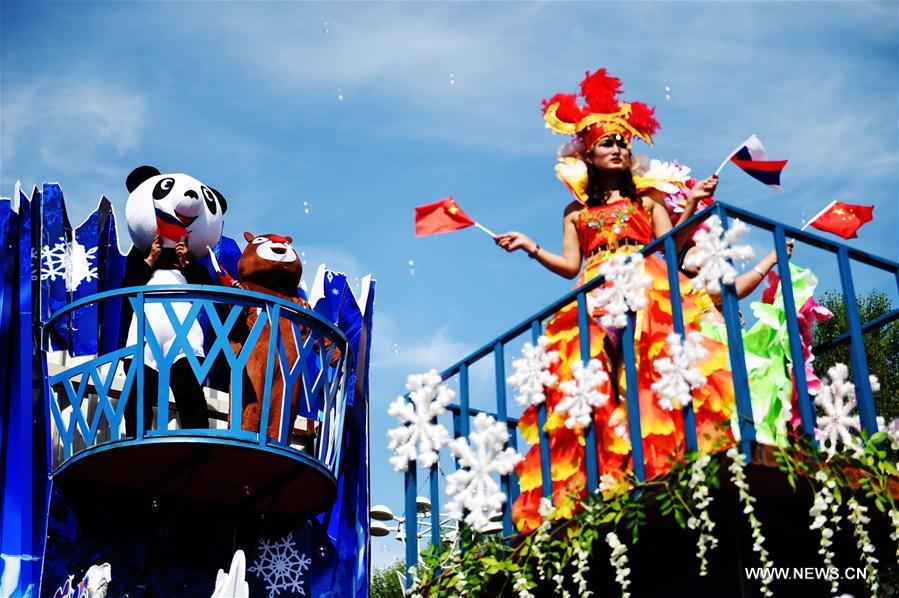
[[581, 395], [522, 586], [824, 513], [866, 549], [581, 570], [626, 291], [894, 536], [838, 425], [419, 437], [738, 476], [546, 511], [473, 491], [703, 522], [619, 561], [532, 376], [714, 253], [679, 373]]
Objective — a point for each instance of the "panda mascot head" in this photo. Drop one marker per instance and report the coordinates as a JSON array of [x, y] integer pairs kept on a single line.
[[271, 263], [198, 207]]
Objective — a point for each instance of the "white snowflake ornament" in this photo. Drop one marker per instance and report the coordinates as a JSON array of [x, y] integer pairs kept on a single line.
[[419, 437], [280, 566], [679, 373], [836, 398], [581, 395], [625, 289], [73, 263], [532, 376], [714, 253], [473, 492]]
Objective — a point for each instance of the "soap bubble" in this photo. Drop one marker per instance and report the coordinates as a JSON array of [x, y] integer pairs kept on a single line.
[[306, 207]]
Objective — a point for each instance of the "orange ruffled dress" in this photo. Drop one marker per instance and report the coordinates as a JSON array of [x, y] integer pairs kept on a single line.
[[603, 231]]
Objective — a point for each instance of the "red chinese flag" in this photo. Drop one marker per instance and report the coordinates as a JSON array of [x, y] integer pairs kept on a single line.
[[844, 219], [442, 216]]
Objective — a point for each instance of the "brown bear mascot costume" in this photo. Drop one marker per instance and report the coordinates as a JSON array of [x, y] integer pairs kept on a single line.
[[268, 265]]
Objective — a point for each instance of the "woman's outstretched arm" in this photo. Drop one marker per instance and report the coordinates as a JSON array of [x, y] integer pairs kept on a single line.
[[749, 281], [568, 264]]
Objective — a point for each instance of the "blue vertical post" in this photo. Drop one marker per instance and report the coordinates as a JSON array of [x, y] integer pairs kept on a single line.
[[730, 305], [677, 318], [806, 412], [411, 521], [138, 362], [583, 325], [857, 346], [499, 368], [435, 507], [545, 467], [633, 397], [464, 413]]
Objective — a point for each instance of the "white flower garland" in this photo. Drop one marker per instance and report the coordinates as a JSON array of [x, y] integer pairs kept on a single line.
[[824, 511], [863, 541], [473, 492], [679, 373], [618, 560], [738, 476], [625, 291], [532, 375], [580, 396], [714, 252], [703, 523], [418, 437]]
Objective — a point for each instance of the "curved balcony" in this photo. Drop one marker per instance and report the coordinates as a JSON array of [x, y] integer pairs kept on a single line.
[[292, 473]]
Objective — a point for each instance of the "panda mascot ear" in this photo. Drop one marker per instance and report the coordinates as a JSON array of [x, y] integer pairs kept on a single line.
[[222, 201], [139, 175]]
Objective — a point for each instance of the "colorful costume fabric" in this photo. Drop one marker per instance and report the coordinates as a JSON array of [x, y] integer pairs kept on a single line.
[[603, 231]]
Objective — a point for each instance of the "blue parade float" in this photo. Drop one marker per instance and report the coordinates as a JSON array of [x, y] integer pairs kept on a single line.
[[149, 509]]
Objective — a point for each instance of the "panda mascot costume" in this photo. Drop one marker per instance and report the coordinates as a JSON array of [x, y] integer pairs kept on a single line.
[[171, 218]]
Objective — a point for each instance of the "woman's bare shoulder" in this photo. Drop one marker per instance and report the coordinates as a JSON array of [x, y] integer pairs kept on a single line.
[[572, 209]]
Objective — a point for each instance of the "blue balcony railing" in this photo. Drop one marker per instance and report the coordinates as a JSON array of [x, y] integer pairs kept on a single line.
[[532, 327], [88, 402]]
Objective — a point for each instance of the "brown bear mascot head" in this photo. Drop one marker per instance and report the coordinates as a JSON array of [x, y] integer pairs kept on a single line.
[[269, 264]]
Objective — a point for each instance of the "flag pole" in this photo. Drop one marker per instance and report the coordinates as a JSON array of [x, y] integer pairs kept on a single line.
[[486, 230], [818, 215]]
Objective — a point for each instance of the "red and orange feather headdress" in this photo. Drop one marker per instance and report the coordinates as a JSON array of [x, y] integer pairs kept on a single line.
[[601, 114]]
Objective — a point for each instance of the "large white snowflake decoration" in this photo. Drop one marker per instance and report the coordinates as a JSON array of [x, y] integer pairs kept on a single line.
[[419, 437], [532, 376], [626, 291], [280, 566], [73, 263], [714, 253], [473, 491], [581, 395], [679, 373], [836, 398]]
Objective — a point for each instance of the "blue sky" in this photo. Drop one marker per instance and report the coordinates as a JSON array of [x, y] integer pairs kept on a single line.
[[364, 110]]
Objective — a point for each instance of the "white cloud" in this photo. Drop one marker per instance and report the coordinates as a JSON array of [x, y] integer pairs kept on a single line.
[[395, 345], [56, 116]]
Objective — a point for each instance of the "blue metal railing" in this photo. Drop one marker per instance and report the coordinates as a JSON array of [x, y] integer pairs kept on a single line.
[[462, 411], [309, 353]]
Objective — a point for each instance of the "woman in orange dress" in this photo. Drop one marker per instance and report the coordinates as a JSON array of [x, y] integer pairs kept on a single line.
[[607, 218]]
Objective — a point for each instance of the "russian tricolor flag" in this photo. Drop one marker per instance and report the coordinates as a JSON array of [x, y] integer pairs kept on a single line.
[[753, 160]]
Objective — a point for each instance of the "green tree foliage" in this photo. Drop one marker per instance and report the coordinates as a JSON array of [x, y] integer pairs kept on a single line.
[[385, 582], [881, 346]]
